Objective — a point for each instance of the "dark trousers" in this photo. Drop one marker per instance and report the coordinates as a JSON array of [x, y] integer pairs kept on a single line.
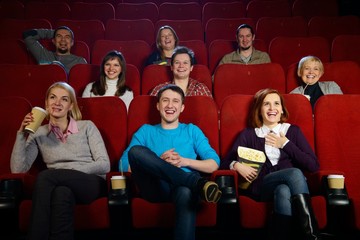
[[54, 197], [159, 181]]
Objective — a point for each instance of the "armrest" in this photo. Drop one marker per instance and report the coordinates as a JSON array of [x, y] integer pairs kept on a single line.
[[118, 197], [335, 197], [11, 191], [227, 182]]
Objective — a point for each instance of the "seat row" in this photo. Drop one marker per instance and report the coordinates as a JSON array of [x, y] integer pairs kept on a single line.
[[282, 50], [266, 28], [166, 10], [336, 151], [228, 79]]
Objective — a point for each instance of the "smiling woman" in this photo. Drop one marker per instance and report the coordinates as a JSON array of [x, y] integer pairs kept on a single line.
[[71, 149], [310, 70], [281, 179]]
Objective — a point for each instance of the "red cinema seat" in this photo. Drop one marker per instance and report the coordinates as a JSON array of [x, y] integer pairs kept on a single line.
[[232, 79], [129, 30], [137, 10], [267, 28], [288, 50], [337, 150], [258, 9], [180, 11], [13, 28], [346, 48], [12, 9], [30, 81], [51, 11], [102, 11], [331, 26], [14, 52], [199, 48], [301, 8], [216, 9]]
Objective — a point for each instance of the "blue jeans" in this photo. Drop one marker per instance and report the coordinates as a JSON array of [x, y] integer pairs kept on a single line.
[[279, 186], [159, 181]]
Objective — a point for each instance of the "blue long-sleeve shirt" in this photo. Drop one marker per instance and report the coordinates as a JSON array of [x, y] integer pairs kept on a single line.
[[187, 139]]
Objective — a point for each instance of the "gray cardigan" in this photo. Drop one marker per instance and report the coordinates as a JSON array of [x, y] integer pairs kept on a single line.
[[329, 87], [83, 151]]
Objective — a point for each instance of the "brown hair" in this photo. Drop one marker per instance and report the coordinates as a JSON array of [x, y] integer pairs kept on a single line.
[[255, 118]]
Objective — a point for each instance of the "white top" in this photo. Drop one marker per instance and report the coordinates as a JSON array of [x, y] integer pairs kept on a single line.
[[273, 153], [110, 91]]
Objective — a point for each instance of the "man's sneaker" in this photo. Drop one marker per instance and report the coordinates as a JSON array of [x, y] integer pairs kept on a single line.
[[210, 192]]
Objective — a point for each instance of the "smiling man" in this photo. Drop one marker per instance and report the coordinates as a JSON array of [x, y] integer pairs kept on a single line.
[[246, 53], [166, 161], [63, 40]]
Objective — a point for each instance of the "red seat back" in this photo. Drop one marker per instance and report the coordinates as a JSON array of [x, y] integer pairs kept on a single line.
[[232, 79]]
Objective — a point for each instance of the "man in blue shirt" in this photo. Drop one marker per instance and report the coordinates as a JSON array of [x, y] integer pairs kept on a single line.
[[166, 160]]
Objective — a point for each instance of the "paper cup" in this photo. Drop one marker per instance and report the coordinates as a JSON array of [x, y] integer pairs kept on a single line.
[[39, 115], [118, 182], [336, 181]]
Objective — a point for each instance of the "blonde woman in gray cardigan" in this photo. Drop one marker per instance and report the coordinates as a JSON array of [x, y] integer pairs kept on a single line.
[[310, 70], [76, 159]]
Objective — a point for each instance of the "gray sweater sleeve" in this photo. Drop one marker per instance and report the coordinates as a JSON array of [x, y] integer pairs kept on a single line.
[[40, 53]]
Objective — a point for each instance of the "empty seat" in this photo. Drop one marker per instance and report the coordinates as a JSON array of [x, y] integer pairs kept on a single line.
[[14, 108], [82, 74], [102, 11], [180, 11], [135, 52], [346, 48], [233, 119], [258, 9], [14, 28], [232, 79], [130, 11], [219, 48], [189, 29], [267, 28], [345, 73], [88, 31], [12, 9], [337, 150], [51, 11], [288, 50], [128, 30], [223, 10], [331, 26], [224, 28], [154, 75], [13, 52], [310, 8], [30, 81]]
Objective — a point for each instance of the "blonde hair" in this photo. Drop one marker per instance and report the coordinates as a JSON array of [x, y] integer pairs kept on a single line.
[[75, 111], [307, 59]]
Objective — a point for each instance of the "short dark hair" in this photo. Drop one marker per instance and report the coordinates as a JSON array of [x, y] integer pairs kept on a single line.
[[172, 87], [244, 26], [181, 50], [66, 28]]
